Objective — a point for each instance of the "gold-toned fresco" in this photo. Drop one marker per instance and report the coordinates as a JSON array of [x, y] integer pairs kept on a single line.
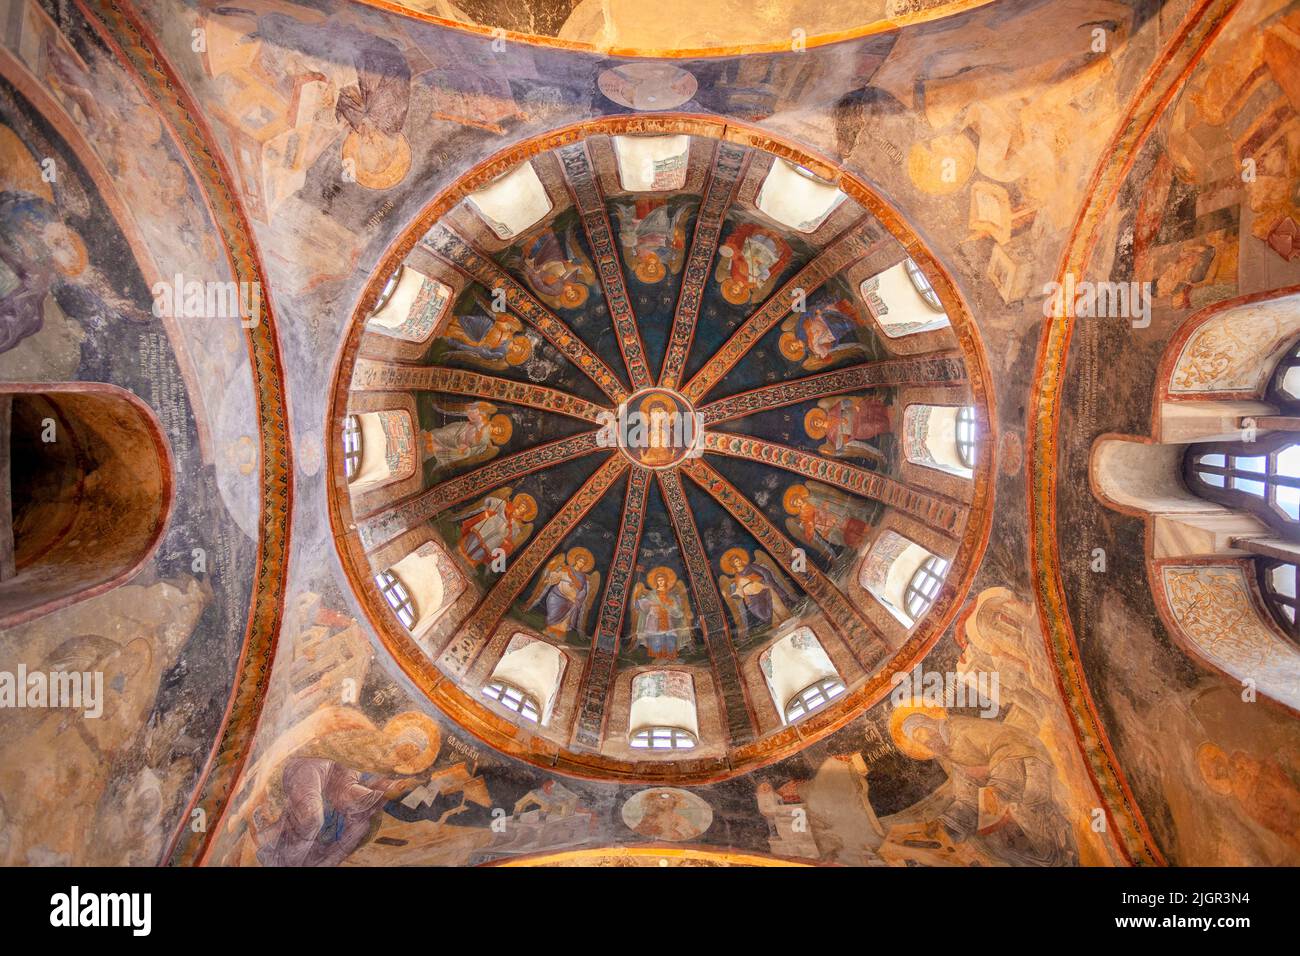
[[890, 637]]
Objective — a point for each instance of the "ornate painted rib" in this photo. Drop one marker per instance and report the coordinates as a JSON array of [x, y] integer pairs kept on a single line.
[[741, 723], [729, 162], [461, 255], [372, 376], [945, 369], [594, 692], [858, 633], [850, 246], [387, 523], [939, 512], [590, 203], [475, 632]]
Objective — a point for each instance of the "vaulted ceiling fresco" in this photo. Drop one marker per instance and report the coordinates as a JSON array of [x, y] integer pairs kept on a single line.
[[566, 439]]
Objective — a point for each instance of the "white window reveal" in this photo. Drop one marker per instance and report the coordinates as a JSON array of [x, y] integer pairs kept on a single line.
[[513, 202]]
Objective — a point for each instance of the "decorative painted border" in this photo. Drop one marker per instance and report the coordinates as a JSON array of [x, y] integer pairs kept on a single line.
[[1160, 85], [137, 49]]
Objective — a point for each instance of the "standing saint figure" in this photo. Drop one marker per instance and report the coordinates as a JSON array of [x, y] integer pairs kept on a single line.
[[755, 590], [848, 424], [661, 614], [476, 439], [496, 522], [566, 590]]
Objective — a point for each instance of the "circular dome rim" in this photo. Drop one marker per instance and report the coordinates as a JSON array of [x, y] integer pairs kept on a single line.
[[461, 706], [950, 8]]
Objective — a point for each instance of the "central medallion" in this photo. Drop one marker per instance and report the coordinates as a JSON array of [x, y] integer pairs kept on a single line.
[[655, 428]]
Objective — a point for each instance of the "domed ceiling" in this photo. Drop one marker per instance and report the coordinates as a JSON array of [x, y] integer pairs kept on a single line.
[[658, 428]]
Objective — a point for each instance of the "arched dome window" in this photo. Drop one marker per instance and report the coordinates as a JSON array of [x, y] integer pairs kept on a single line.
[[942, 437], [514, 698], [796, 197], [351, 446], [1262, 477], [410, 306], [652, 163], [903, 576], [663, 713], [800, 675], [398, 598], [513, 202], [902, 301], [924, 587], [812, 698], [382, 445], [527, 678]]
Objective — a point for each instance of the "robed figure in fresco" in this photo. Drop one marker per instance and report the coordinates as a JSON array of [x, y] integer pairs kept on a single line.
[[556, 268], [755, 590], [496, 522], [653, 238], [661, 614], [319, 804], [749, 262], [492, 340], [825, 518], [848, 425], [566, 591], [823, 336], [1001, 784], [476, 439]]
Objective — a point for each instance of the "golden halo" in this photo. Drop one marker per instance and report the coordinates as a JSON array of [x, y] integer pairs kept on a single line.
[[816, 423], [416, 725], [734, 560], [655, 572], [378, 161], [580, 559], [792, 346], [903, 711], [573, 296], [79, 257], [658, 401], [794, 498], [500, 428], [649, 269], [1209, 759], [735, 291], [519, 351], [524, 506]]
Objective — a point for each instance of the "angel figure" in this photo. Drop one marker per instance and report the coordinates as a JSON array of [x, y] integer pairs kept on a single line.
[[496, 523], [847, 425], [476, 439], [557, 268], [566, 591], [652, 237], [758, 594], [488, 339], [749, 262], [823, 336], [825, 518], [661, 614]]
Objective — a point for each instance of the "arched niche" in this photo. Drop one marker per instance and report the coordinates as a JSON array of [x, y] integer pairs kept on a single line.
[[87, 486]]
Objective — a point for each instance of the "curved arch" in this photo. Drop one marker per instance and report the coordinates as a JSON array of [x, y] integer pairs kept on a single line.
[[788, 42], [116, 472]]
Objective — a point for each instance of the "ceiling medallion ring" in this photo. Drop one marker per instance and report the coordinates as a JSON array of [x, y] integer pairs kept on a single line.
[[657, 429]]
